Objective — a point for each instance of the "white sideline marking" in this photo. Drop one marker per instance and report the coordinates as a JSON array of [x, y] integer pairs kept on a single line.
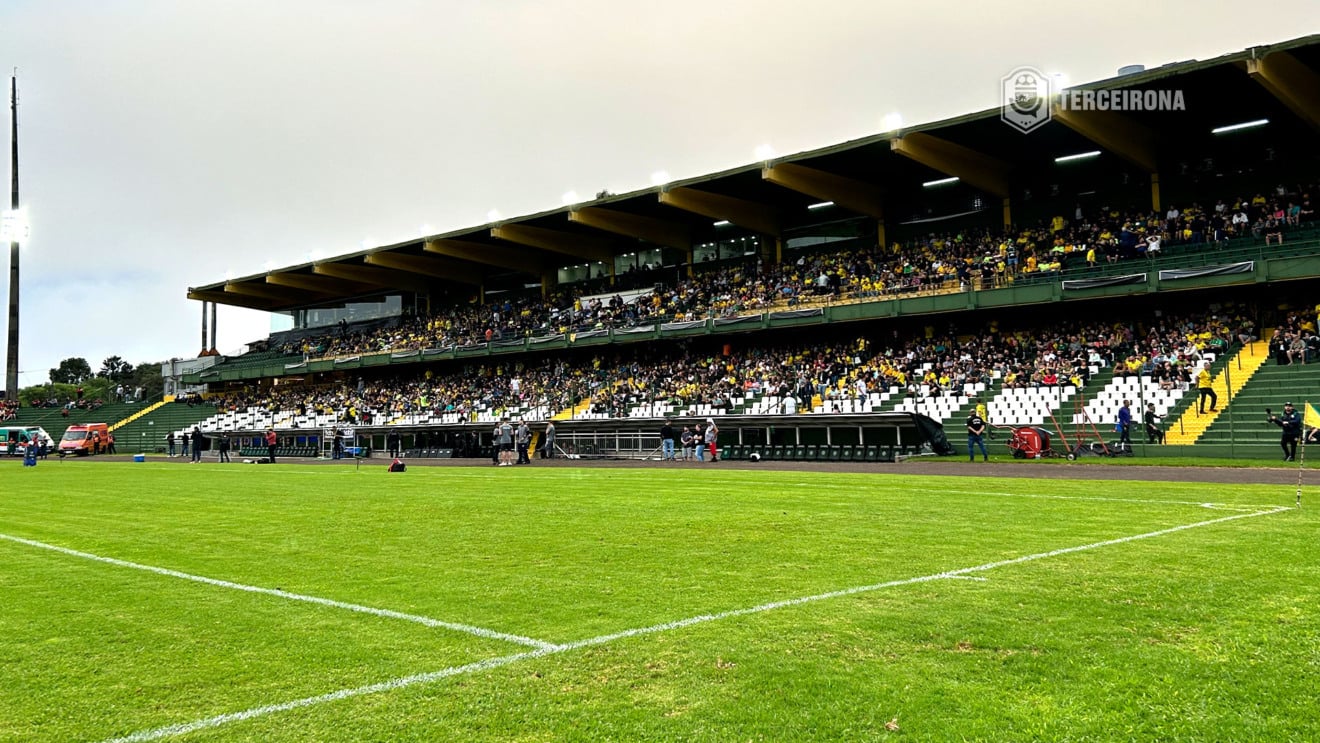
[[968, 577], [1042, 496], [485, 665], [1224, 506], [387, 613]]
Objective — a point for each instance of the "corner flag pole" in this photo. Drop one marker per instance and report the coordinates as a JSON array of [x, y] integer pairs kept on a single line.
[[1301, 463], [1308, 418]]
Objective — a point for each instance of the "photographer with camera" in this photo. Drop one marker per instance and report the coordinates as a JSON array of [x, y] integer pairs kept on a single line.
[[1291, 423], [1154, 434]]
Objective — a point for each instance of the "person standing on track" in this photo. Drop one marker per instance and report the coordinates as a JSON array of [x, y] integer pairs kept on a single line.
[[712, 438], [1125, 423], [1291, 423], [984, 412], [976, 437]]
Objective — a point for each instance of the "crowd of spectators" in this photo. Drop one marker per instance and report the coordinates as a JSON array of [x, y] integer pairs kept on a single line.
[[933, 362], [73, 403], [1296, 341], [935, 262]]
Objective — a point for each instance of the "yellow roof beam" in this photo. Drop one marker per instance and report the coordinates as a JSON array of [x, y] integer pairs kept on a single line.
[[1113, 132], [750, 215], [1293, 83], [853, 195], [275, 293], [437, 268], [498, 256], [236, 300], [587, 247], [383, 277], [322, 284], [976, 169], [653, 230]]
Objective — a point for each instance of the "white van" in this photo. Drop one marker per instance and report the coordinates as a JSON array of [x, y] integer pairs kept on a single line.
[[23, 434]]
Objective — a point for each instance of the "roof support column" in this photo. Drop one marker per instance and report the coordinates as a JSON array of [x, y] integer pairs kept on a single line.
[[203, 351], [215, 327], [1155, 192]]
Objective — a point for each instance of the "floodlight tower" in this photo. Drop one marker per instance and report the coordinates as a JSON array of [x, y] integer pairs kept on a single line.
[[11, 359]]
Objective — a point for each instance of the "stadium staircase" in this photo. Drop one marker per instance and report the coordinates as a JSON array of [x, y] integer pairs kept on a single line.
[[1243, 424], [1191, 424], [573, 412], [154, 406]]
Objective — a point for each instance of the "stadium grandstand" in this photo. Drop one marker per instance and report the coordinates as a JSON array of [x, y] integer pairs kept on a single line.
[[839, 303]]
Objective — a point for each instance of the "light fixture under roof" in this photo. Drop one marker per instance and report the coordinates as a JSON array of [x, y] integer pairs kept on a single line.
[[723, 223], [821, 205], [940, 182], [1236, 127], [1078, 156]]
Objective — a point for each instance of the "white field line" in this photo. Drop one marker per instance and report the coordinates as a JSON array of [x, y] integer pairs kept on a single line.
[[387, 613], [1042, 496], [1221, 506], [485, 665]]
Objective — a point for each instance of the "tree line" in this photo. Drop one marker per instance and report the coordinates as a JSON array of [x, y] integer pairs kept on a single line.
[[74, 373]]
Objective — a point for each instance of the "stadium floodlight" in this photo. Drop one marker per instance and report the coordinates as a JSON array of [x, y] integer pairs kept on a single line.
[[1060, 81], [570, 198], [14, 226], [493, 215], [764, 152], [940, 182], [1235, 127], [660, 178], [1078, 156], [426, 229], [891, 122], [821, 205], [723, 223]]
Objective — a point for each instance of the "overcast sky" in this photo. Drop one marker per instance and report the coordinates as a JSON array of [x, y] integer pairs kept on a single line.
[[168, 144]]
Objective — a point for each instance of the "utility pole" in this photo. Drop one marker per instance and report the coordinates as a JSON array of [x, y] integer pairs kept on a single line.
[[11, 360]]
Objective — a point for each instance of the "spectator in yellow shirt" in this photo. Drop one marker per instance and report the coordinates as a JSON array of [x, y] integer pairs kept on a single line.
[[1203, 385]]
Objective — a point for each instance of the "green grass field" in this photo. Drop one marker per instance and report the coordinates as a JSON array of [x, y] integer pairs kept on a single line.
[[648, 604]]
